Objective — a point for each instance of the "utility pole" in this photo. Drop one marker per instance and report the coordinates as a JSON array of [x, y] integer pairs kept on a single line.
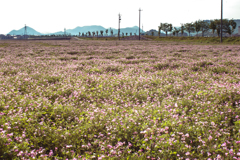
[[221, 19], [119, 19], [139, 21], [25, 32]]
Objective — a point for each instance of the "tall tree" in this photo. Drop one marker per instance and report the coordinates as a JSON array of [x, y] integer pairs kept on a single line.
[[218, 26], [111, 32], [197, 26], [93, 33], [182, 28], [126, 34], [122, 34], [226, 26], [106, 32], [177, 30], [167, 27], [204, 27], [82, 34], [159, 29], [130, 33], [89, 33], [212, 26], [189, 27], [97, 33], [101, 32], [79, 34], [233, 25], [174, 32]]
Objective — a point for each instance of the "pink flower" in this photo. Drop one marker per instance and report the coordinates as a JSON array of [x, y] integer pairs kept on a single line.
[[231, 152], [129, 144], [9, 135], [51, 153], [109, 146], [210, 138], [224, 144], [187, 153], [68, 146]]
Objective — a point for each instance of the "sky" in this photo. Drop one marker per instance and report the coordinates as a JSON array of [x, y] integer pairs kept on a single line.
[[48, 16]]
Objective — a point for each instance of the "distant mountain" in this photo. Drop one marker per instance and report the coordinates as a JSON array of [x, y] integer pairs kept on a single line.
[[30, 31], [75, 31]]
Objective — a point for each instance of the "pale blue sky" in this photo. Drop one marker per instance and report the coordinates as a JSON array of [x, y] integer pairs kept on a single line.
[[55, 15]]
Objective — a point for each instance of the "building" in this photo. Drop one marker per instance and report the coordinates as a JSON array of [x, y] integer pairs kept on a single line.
[[238, 30]]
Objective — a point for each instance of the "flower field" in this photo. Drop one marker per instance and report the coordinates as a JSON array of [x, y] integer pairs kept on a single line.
[[119, 100]]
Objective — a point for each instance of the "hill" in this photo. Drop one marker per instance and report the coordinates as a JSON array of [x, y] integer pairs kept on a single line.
[[75, 31], [30, 31]]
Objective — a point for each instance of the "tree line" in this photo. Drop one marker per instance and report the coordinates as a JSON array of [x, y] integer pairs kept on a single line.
[[100, 33], [199, 26]]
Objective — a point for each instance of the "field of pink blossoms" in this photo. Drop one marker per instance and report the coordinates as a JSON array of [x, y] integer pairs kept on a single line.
[[119, 100]]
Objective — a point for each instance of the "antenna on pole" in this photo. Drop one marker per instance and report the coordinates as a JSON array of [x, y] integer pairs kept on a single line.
[[221, 18], [119, 20], [139, 21]]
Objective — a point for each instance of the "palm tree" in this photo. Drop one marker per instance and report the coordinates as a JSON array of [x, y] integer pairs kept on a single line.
[[93, 33], [159, 29], [197, 26], [189, 27], [212, 26], [233, 25], [126, 33], [97, 33], [122, 34], [79, 34], [106, 31], [218, 26], [89, 33], [177, 30], [174, 32], [204, 27], [101, 32], [112, 32], [130, 33], [167, 28], [182, 28]]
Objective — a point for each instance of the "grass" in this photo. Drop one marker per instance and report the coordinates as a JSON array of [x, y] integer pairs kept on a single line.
[[93, 99], [198, 40]]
